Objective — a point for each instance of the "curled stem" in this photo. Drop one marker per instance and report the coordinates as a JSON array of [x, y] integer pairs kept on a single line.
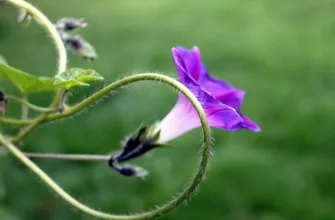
[[145, 215], [62, 60], [27, 104]]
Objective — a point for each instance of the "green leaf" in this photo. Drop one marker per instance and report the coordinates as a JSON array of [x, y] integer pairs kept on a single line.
[[2, 59], [76, 77], [25, 82]]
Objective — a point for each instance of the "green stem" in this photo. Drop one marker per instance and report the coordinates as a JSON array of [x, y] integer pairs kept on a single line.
[[30, 105], [159, 210], [62, 99], [43, 20], [84, 157], [62, 61], [105, 91], [27, 130], [24, 108], [13, 121]]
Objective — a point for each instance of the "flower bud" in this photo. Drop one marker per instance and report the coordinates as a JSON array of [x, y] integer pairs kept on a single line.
[[80, 46], [3, 102], [24, 17], [139, 143], [70, 24], [129, 170]]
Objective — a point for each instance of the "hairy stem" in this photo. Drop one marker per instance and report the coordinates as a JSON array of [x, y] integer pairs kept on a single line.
[[85, 157], [27, 130], [159, 210], [44, 21], [62, 61], [15, 122], [24, 102]]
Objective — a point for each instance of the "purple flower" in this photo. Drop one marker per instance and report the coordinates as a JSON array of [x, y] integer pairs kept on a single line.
[[220, 100]]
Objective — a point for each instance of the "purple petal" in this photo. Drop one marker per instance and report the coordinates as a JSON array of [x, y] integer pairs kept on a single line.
[[233, 98], [220, 100], [212, 84], [223, 118], [246, 124], [183, 117], [218, 114], [187, 62]]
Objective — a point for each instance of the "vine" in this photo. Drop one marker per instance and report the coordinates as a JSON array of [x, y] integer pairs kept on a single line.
[[56, 111]]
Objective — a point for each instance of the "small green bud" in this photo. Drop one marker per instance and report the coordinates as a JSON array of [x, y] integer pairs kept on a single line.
[[24, 17]]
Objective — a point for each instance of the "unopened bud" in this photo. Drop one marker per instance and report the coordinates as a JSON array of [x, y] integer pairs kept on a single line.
[[3, 102], [87, 51], [69, 24], [139, 143], [143, 140], [129, 170], [80, 46], [24, 17]]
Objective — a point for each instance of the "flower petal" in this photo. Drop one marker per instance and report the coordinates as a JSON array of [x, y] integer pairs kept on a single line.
[[220, 100], [233, 98], [246, 124], [212, 84], [183, 117], [224, 118], [187, 62]]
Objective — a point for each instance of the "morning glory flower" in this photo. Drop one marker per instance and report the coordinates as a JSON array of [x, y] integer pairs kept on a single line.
[[221, 101]]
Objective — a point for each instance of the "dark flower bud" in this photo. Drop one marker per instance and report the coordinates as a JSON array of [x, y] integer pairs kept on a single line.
[[2, 96], [69, 24], [139, 143], [79, 45], [129, 170], [24, 17], [75, 43], [3, 102]]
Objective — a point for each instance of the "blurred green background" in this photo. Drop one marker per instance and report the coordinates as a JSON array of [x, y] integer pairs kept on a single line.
[[280, 52]]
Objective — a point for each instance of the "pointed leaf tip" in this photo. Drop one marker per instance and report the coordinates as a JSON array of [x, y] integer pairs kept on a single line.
[[77, 77]]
